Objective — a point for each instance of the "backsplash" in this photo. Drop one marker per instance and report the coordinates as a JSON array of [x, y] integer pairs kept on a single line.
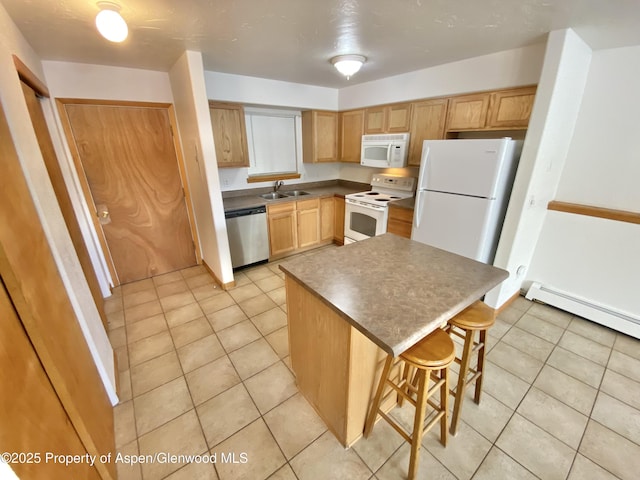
[[236, 178], [232, 179]]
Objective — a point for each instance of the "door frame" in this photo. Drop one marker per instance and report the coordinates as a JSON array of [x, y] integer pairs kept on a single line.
[[60, 187], [84, 183]]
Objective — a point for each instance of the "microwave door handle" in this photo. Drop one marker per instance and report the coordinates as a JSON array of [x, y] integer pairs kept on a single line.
[[389, 153]]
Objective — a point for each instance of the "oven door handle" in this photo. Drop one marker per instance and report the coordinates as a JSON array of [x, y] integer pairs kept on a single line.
[[364, 205]]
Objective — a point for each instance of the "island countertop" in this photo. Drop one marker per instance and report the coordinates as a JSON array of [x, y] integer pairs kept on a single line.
[[392, 289]]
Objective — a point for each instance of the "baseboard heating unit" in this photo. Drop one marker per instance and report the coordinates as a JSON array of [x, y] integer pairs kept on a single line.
[[622, 322]]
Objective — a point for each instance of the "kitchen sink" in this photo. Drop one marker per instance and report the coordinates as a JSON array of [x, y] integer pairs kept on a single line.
[[295, 193], [272, 195]]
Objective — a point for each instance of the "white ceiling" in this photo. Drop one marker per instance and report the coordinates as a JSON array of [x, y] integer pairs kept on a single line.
[[293, 40]]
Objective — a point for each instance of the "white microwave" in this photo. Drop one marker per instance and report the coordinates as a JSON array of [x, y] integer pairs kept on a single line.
[[385, 151]]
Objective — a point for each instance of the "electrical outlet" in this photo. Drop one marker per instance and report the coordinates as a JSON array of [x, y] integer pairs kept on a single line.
[[225, 182]]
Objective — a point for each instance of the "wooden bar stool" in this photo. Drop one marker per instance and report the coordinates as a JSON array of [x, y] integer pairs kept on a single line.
[[422, 362], [478, 317]]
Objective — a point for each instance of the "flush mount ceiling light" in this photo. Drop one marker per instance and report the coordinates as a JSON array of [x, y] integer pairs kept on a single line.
[[348, 65], [110, 23]]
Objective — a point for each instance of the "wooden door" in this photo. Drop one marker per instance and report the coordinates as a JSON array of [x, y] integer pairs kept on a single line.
[[229, 134], [31, 277], [32, 418], [351, 130], [129, 160], [62, 194], [427, 123]]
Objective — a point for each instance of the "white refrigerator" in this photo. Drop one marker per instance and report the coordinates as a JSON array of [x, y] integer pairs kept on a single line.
[[462, 195]]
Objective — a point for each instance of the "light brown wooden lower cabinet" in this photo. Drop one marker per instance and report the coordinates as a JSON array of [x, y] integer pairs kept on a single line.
[[400, 221], [308, 217], [336, 367], [302, 225], [338, 229]]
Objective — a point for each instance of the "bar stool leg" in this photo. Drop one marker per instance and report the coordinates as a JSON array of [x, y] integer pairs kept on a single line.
[[444, 404], [406, 376], [480, 369], [373, 412], [421, 405], [462, 380]]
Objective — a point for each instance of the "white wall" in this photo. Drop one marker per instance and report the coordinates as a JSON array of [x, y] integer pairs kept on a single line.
[[24, 138], [509, 68], [589, 257], [194, 125], [261, 91], [544, 152], [81, 80]]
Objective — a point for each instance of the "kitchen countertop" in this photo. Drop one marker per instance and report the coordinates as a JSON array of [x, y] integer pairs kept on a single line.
[[250, 198], [392, 289]]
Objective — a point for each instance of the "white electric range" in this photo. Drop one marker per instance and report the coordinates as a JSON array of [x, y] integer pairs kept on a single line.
[[366, 213]]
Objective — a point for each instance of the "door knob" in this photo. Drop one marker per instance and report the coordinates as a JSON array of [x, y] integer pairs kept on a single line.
[[103, 214]]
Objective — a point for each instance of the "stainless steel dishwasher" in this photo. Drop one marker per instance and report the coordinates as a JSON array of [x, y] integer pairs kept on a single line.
[[248, 237]]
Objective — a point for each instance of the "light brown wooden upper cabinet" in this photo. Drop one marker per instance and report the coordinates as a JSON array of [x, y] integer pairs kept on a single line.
[[498, 110], [468, 112], [427, 123], [319, 136], [511, 108], [395, 118], [351, 130], [229, 134]]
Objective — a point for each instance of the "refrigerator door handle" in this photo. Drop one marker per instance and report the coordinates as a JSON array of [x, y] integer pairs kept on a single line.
[[418, 209]]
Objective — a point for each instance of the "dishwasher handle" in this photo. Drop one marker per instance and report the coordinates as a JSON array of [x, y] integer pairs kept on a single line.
[[243, 212]]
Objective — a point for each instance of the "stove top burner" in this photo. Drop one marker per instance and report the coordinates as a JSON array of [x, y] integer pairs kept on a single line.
[[382, 199], [372, 193]]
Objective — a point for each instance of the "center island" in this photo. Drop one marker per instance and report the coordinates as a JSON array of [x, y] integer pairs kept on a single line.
[[349, 307]]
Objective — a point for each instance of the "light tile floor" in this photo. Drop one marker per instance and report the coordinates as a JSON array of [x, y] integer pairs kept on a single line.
[[207, 371]]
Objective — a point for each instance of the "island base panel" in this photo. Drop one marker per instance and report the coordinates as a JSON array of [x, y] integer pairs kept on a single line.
[[337, 368]]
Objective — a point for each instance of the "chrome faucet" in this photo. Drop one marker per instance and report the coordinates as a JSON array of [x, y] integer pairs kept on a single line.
[[277, 186]]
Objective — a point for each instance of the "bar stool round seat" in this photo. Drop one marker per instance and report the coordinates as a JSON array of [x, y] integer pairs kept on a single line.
[[478, 317], [435, 351], [427, 360]]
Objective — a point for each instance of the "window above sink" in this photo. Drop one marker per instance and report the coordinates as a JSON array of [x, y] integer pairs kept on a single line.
[[273, 136]]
